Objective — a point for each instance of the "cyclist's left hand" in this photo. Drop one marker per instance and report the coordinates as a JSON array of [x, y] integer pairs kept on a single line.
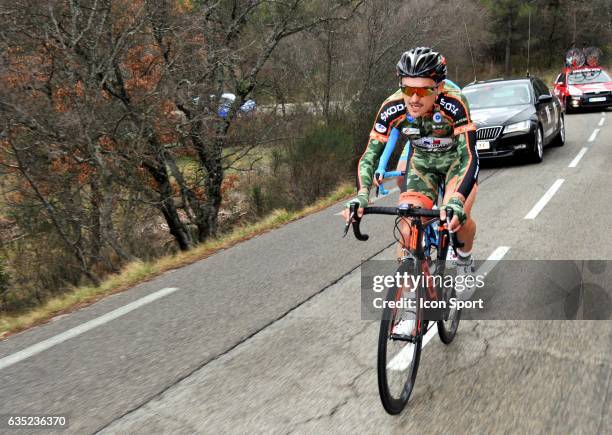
[[455, 225], [459, 216]]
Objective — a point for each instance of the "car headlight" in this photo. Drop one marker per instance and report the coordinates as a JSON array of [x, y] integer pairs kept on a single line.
[[517, 126], [574, 91]]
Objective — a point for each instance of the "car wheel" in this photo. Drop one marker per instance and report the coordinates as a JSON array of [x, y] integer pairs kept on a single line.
[[559, 139], [568, 107], [537, 153]]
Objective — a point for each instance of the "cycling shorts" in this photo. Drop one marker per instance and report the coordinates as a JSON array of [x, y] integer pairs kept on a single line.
[[427, 171]]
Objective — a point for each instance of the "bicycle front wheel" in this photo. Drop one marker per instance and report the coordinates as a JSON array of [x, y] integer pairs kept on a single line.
[[398, 354], [447, 328]]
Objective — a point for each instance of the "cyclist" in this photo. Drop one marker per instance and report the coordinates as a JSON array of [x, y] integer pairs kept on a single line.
[[449, 86], [435, 119]]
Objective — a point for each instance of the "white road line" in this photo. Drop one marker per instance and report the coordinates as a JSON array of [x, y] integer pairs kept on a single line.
[[603, 113], [395, 189], [498, 254], [544, 200], [601, 122], [574, 162], [593, 135], [493, 259], [486, 267], [78, 330], [402, 360]]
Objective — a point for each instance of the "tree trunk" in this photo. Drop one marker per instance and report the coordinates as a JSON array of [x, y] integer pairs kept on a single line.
[[214, 181], [507, 63], [328, 81], [574, 27], [96, 229], [178, 230], [551, 36], [108, 229]]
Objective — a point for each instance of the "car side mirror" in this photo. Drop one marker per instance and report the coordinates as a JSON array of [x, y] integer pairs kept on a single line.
[[545, 99]]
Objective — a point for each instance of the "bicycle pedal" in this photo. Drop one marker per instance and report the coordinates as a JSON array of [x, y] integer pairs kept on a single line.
[[400, 337]]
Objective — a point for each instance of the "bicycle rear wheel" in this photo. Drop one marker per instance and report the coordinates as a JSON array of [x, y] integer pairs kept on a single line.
[[398, 355]]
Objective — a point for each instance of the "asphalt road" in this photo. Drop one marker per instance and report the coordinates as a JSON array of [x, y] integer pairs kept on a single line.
[[267, 336]]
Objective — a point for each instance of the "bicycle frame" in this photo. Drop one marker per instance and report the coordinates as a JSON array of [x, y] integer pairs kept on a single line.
[[421, 251], [444, 238], [381, 172]]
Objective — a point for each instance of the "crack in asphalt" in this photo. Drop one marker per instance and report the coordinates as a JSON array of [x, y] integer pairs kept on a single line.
[[183, 424], [549, 353], [354, 394], [482, 354], [558, 355], [494, 172], [160, 393], [605, 403], [347, 347]]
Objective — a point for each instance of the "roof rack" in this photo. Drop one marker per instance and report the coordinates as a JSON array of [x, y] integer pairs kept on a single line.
[[477, 82], [586, 56]]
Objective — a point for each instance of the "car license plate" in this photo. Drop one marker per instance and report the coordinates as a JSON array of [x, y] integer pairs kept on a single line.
[[596, 99], [483, 145]]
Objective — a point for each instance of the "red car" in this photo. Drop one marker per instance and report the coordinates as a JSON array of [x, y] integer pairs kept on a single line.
[[584, 86]]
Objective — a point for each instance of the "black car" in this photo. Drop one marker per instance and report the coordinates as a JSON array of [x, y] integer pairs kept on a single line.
[[515, 117]]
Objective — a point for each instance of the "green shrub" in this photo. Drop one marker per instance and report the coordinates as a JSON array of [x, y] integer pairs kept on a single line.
[[317, 161], [4, 284], [270, 193]]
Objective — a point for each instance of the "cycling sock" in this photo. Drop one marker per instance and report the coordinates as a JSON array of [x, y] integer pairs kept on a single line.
[[464, 257]]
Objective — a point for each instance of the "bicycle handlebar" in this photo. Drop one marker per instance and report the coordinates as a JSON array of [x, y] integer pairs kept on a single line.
[[402, 211]]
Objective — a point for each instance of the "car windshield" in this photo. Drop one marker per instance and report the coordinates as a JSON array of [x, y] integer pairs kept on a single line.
[[497, 95], [588, 76]]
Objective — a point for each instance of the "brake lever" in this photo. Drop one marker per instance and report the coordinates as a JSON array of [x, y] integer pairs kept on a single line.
[[352, 212], [455, 243], [348, 225], [378, 177]]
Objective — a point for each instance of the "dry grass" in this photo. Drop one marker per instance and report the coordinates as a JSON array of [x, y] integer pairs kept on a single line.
[[138, 272]]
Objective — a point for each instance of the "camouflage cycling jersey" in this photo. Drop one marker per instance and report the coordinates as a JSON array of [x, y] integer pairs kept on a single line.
[[443, 148]]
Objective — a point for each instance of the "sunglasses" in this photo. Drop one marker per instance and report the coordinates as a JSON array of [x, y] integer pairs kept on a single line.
[[420, 91]]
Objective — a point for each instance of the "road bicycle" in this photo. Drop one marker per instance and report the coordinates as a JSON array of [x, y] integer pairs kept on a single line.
[[425, 256]]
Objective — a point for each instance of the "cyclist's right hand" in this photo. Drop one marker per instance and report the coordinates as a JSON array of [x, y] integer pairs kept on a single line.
[[346, 211], [377, 179]]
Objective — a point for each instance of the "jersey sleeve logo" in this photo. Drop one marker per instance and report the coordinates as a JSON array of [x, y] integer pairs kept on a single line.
[[454, 109], [449, 106], [392, 110], [464, 129], [380, 128]]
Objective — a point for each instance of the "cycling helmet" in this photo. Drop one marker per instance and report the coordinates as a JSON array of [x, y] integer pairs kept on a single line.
[[422, 62]]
